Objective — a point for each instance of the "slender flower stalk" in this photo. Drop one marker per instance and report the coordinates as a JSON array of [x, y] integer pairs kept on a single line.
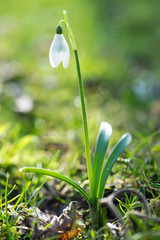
[[84, 115], [85, 125]]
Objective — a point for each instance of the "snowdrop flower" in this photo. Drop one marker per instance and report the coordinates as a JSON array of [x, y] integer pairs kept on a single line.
[[59, 50]]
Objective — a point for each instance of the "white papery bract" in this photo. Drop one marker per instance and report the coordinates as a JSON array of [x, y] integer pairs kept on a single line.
[[59, 51]]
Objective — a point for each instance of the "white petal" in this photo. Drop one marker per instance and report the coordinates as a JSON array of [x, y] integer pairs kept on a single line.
[[55, 55], [51, 58], [66, 54], [51, 54], [57, 58], [59, 51]]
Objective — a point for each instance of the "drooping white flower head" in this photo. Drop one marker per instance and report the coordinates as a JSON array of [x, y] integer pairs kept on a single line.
[[59, 50]]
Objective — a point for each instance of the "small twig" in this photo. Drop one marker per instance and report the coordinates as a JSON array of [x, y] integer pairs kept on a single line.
[[108, 201], [143, 216]]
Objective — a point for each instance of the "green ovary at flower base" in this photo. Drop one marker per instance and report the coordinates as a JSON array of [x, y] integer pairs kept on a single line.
[[100, 169]]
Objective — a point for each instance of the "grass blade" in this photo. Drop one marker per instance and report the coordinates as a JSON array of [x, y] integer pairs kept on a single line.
[[13, 199], [58, 176], [117, 150], [6, 189], [20, 198], [104, 135], [9, 192]]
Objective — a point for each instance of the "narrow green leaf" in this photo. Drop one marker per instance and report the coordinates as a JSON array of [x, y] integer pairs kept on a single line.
[[117, 150], [103, 138], [9, 201], [6, 189], [58, 176], [20, 198], [9, 191]]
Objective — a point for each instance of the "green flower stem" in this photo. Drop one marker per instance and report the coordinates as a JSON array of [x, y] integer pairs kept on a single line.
[[85, 125], [84, 115], [69, 30]]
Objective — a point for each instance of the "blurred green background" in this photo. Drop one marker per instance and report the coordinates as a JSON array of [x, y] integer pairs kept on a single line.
[[119, 50]]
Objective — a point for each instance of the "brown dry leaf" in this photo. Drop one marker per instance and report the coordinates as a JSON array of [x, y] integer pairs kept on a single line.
[[64, 227], [70, 234]]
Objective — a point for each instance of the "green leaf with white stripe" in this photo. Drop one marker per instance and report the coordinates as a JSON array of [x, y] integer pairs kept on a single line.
[[117, 150], [103, 138]]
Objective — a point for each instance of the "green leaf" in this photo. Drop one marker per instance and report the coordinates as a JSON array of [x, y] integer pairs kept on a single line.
[[117, 150], [104, 135], [58, 176]]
